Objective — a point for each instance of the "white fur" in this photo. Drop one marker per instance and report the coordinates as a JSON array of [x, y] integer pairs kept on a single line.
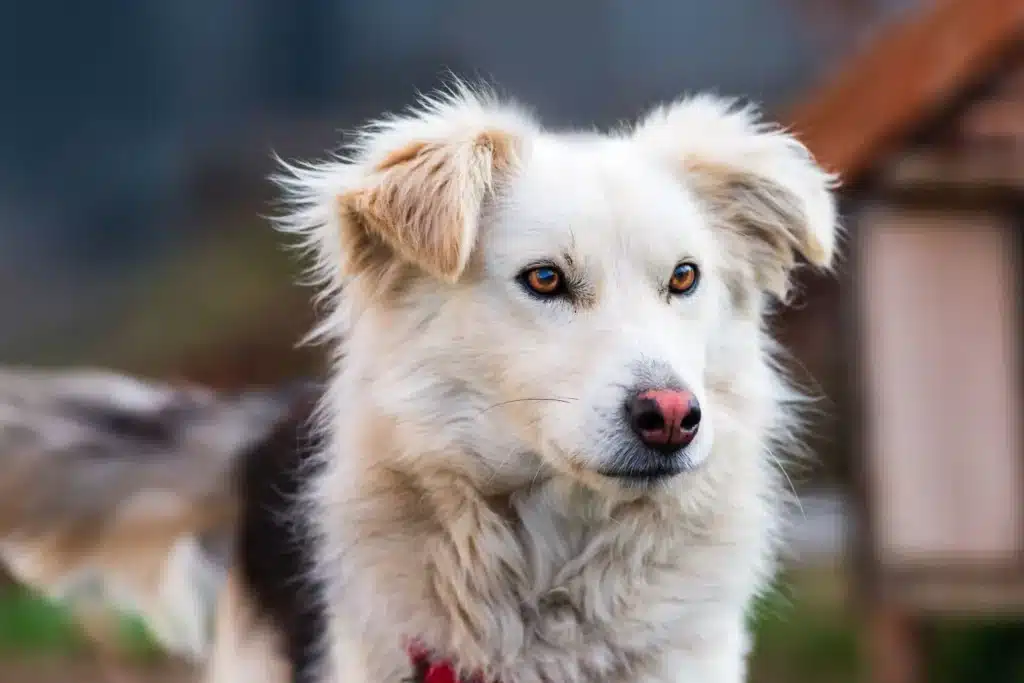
[[461, 503]]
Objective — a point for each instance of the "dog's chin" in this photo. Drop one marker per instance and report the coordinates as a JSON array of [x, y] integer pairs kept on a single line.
[[630, 470], [645, 468], [648, 476]]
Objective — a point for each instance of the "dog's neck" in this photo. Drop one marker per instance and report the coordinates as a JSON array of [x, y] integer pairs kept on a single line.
[[479, 578], [493, 576]]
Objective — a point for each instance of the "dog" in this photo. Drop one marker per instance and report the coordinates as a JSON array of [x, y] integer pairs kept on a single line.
[[548, 448], [118, 494]]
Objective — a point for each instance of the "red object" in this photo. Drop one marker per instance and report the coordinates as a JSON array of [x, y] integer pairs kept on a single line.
[[442, 672], [430, 671]]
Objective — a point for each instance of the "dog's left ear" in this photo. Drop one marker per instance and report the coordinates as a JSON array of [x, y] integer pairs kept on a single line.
[[761, 185]]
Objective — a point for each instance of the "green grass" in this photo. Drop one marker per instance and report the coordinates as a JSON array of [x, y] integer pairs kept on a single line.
[[969, 650], [33, 626], [29, 625], [804, 635]]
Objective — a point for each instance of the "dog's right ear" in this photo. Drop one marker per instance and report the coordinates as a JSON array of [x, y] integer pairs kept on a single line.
[[424, 199], [413, 190]]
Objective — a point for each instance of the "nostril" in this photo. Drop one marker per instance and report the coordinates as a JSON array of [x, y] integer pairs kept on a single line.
[[691, 420], [649, 420], [664, 419]]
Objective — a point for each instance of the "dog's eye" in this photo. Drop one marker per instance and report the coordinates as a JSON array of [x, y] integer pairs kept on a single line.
[[543, 281], [684, 279]]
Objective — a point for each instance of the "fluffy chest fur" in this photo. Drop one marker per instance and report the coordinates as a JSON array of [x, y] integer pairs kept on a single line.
[[553, 582]]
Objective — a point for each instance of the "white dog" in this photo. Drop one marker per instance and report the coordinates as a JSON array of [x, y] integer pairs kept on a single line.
[[549, 440]]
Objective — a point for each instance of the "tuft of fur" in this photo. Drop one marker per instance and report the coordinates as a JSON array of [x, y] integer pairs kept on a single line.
[[463, 499], [329, 201]]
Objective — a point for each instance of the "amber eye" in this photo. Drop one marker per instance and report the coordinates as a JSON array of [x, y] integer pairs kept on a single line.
[[544, 281], [684, 279]]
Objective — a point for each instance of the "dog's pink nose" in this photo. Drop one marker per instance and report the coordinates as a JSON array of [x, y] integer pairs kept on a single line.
[[664, 419]]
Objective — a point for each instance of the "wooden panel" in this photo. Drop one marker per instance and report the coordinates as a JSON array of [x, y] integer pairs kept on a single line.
[[912, 68], [933, 592], [994, 120], [981, 167], [943, 399]]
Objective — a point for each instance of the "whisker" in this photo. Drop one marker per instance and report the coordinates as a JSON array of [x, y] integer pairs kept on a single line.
[[741, 428], [792, 487], [512, 453], [524, 400], [533, 482], [500, 466]]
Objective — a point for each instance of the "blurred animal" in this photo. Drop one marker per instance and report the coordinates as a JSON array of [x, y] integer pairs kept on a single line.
[[549, 447], [121, 492]]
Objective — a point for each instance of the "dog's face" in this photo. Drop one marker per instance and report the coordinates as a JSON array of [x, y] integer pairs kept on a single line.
[[597, 292], [569, 302]]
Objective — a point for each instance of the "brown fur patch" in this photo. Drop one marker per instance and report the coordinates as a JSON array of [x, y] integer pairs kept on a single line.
[[402, 155], [423, 204], [503, 148]]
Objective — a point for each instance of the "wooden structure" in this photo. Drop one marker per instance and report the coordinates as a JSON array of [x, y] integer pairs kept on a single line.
[[926, 126]]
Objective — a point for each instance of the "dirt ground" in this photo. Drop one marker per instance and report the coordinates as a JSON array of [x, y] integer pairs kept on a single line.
[[58, 670]]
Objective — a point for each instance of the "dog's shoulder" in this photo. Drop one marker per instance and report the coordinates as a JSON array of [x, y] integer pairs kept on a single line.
[[274, 551]]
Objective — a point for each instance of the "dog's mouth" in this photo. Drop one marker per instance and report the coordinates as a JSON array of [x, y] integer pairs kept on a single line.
[[646, 475]]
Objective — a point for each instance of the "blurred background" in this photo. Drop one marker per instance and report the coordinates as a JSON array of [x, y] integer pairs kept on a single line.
[[136, 138]]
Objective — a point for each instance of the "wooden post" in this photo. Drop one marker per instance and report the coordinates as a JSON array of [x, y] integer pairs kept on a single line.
[[892, 644]]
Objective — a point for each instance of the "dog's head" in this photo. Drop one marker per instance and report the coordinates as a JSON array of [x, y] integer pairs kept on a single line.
[[575, 303]]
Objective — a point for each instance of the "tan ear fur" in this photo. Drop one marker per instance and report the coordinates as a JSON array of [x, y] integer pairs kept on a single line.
[[761, 184], [424, 201]]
